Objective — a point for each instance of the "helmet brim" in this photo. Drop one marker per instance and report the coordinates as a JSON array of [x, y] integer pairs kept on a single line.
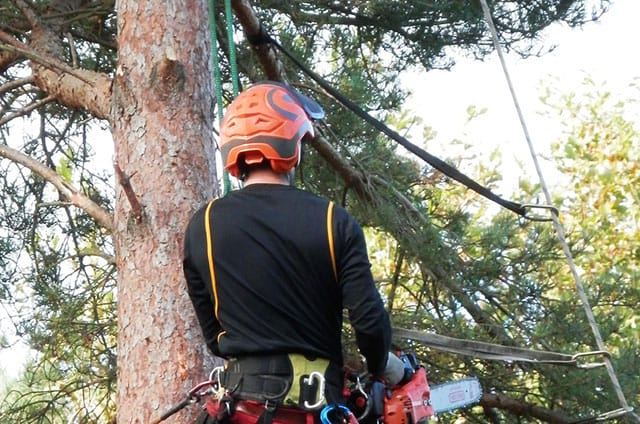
[[313, 108]]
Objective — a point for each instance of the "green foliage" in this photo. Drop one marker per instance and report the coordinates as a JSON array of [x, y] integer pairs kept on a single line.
[[600, 160], [46, 394], [419, 33], [58, 284], [495, 278]]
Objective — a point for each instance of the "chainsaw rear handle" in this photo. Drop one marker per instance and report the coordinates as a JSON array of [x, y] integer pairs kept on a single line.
[[408, 401]]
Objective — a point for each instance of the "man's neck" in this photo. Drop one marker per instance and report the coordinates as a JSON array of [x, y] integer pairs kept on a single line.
[[265, 176]]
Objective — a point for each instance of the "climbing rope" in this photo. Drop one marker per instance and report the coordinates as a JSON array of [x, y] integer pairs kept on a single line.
[[216, 67], [524, 210], [558, 226], [228, 14], [216, 62]]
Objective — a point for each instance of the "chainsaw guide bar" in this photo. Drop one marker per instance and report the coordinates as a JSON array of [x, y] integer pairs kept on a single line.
[[455, 394]]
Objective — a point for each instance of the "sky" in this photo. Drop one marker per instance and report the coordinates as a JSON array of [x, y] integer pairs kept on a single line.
[[604, 50]]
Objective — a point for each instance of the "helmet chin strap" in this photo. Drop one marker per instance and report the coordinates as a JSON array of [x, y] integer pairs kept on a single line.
[[291, 174], [299, 153]]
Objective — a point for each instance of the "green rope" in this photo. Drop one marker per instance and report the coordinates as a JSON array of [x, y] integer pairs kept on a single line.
[[233, 67], [216, 61], [232, 48], [226, 181]]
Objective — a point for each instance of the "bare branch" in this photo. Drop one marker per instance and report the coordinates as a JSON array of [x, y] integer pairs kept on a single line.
[[72, 49], [136, 208], [521, 408], [27, 110], [15, 46], [15, 84], [98, 253], [73, 195]]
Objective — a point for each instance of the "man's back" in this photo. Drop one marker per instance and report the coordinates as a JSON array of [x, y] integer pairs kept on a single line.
[[270, 268], [275, 286]]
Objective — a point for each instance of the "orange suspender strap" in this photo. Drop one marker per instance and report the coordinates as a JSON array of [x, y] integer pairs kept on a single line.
[[332, 251], [207, 230]]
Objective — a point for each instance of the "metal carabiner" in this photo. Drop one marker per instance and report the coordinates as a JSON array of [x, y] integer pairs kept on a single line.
[[215, 377], [321, 399], [360, 388], [367, 407], [216, 372]]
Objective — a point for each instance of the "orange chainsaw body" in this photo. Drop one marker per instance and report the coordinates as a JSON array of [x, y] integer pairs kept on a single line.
[[409, 403]]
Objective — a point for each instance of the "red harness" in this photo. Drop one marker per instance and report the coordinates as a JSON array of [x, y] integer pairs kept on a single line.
[[249, 412]]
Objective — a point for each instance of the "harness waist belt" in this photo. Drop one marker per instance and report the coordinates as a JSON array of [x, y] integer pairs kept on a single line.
[[289, 380]]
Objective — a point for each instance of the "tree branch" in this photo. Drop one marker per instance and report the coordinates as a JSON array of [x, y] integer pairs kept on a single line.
[[15, 84], [15, 46], [76, 88], [521, 408], [69, 192], [253, 28], [27, 110], [136, 208]]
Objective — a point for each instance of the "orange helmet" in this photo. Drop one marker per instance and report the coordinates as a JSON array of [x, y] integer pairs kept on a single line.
[[267, 122]]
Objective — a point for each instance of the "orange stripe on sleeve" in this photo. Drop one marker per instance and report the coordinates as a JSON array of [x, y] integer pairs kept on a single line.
[[330, 237], [207, 229]]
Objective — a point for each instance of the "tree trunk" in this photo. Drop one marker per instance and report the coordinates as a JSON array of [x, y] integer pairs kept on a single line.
[[165, 167]]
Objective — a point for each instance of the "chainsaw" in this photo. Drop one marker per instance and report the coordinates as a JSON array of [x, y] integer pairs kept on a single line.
[[411, 402]]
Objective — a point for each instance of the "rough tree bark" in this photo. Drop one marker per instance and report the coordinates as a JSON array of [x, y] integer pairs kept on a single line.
[[164, 159]]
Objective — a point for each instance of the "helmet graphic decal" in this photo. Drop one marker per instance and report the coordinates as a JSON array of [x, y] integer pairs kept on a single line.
[[274, 105]]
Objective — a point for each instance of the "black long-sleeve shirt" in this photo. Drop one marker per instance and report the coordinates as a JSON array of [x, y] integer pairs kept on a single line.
[[275, 289]]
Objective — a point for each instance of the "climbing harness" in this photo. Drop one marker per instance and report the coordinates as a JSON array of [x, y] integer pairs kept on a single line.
[[221, 402], [375, 402], [558, 226], [288, 380]]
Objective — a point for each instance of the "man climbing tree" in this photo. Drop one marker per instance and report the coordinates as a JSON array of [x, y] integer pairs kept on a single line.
[[271, 267]]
